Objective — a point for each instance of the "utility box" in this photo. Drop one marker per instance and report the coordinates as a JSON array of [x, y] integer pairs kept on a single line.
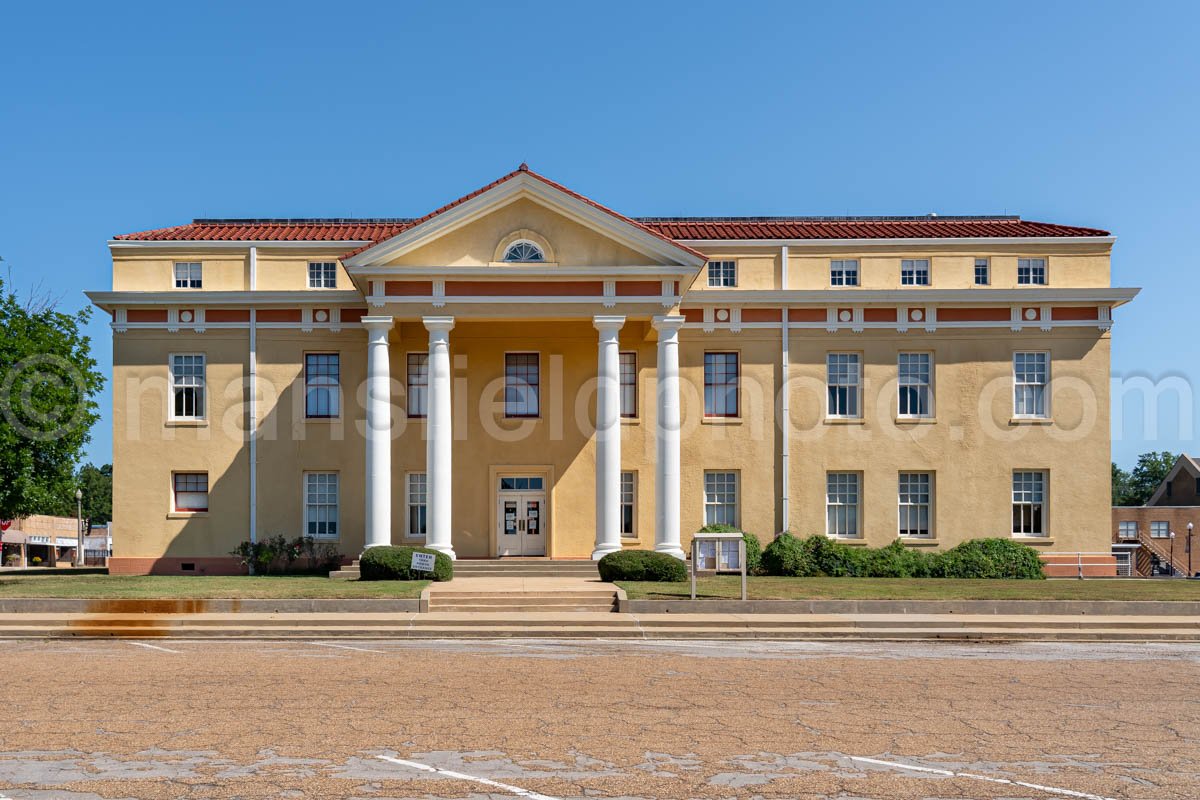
[[718, 552]]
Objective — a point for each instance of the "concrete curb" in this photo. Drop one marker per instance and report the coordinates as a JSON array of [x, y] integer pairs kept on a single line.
[[1005, 607], [49, 605]]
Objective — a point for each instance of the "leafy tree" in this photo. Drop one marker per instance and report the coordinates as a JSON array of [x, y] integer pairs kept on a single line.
[[96, 484], [1135, 487], [48, 385]]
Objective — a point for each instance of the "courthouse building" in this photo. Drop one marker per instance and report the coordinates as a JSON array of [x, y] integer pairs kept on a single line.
[[527, 372]]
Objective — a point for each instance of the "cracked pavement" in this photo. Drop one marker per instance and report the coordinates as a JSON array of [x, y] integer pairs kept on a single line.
[[611, 719]]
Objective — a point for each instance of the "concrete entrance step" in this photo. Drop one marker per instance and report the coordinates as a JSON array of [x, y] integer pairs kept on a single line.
[[503, 568]]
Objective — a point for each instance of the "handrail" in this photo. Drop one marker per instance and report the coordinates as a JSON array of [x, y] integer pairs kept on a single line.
[[1179, 564]]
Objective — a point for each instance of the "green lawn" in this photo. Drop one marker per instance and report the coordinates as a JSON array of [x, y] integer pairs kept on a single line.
[[201, 587], [771, 588]]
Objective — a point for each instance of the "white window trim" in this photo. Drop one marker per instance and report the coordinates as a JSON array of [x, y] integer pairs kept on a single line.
[[1160, 523], [633, 534], [337, 509], [529, 242], [932, 534], [858, 506], [175, 509], [175, 276], [857, 273], [309, 275], [171, 388], [1047, 414], [1122, 524], [932, 393], [1045, 270], [859, 386], [504, 384], [408, 534], [709, 276], [338, 398], [737, 494], [621, 386], [988, 267], [408, 387], [928, 273], [1045, 534]]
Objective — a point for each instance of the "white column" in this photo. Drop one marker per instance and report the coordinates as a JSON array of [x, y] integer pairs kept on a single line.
[[608, 437], [438, 438], [667, 459], [379, 433]]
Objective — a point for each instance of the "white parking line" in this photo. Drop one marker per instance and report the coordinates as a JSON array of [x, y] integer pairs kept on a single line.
[[989, 779], [153, 647], [517, 790], [347, 647]]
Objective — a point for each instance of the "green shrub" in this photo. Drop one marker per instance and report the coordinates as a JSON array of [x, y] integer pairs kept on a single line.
[[898, 561], [988, 558], [831, 557], [641, 565], [754, 547], [386, 563], [787, 556]]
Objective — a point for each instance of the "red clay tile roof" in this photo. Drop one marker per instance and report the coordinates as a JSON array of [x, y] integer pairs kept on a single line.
[[672, 229]]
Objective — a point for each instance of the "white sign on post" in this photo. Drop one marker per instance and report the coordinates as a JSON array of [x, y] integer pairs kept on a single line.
[[422, 562]]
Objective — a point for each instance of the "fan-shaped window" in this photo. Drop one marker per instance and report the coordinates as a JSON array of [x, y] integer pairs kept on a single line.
[[524, 250]]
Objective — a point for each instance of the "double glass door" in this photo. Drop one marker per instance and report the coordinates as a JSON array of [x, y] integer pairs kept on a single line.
[[521, 521]]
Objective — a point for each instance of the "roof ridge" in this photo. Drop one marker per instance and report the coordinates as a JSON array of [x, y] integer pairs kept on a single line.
[[301, 221], [846, 218]]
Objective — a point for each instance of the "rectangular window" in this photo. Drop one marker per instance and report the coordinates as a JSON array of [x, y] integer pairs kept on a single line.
[[628, 384], [722, 273], [187, 386], [188, 275], [914, 272], [720, 384], [418, 384], [322, 385], [843, 376], [191, 491], [915, 375], [322, 274], [1029, 503], [321, 505], [916, 502], [1031, 271], [522, 384], [1031, 375], [983, 272], [1127, 529], [418, 488], [721, 498], [841, 505], [843, 272], [628, 493], [1160, 529]]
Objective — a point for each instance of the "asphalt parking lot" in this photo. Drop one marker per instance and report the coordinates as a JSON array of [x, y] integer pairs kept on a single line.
[[598, 719]]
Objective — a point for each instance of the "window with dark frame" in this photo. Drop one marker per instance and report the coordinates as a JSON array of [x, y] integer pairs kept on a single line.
[[418, 487], [322, 377], [628, 493], [983, 272], [191, 491], [720, 384], [628, 384], [522, 385], [418, 384]]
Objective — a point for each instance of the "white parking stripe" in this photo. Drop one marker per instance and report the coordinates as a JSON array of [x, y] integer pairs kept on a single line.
[[347, 647], [989, 779], [517, 790], [152, 647]]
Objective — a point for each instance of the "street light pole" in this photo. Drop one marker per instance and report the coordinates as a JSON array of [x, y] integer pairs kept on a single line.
[[1172, 564], [79, 527], [1189, 550]]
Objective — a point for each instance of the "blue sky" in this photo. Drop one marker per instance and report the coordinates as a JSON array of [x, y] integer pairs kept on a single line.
[[118, 117]]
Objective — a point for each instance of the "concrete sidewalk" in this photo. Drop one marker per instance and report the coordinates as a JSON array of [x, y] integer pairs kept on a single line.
[[592, 625]]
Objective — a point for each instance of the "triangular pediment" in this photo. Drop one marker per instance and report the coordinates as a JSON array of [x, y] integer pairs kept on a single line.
[[573, 230]]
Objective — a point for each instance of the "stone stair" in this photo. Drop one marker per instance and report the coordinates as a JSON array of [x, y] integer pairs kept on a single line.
[[465, 600], [503, 568]]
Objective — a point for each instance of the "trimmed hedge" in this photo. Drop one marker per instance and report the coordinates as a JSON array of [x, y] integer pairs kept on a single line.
[[754, 549], [977, 558], [387, 563], [641, 565]]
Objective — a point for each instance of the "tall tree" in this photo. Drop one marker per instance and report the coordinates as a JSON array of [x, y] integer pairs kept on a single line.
[[1136, 487], [96, 485], [1120, 487], [48, 385]]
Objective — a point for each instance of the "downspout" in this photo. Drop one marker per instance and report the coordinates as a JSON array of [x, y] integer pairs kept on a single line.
[[785, 404], [253, 406]]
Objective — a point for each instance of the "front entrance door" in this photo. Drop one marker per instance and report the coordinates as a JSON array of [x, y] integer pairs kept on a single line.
[[521, 517]]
